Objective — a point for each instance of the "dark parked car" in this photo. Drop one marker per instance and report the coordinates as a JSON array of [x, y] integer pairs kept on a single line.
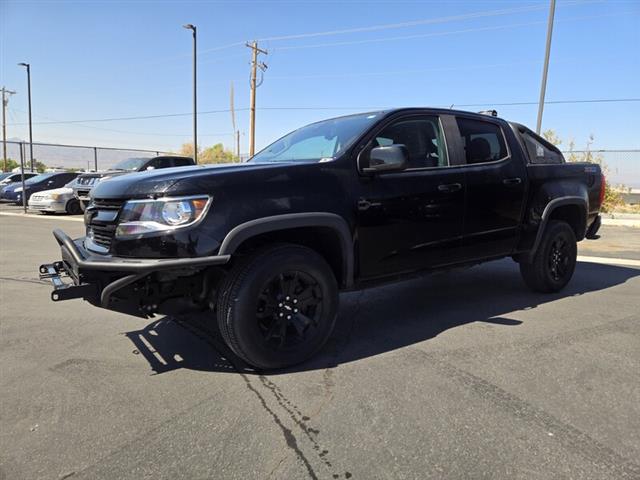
[[38, 183], [11, 177], [337, 205], [87, 181]]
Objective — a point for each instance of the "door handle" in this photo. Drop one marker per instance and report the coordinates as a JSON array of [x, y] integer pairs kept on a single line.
[[366, 204], [512, 181], [450, 187]]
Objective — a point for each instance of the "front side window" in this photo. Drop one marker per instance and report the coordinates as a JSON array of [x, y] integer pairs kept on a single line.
[[482, 141], [423, 138]]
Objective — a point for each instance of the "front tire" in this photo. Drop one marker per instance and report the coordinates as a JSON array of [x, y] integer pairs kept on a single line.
[[73, 207], [278, 306], [555, 260]]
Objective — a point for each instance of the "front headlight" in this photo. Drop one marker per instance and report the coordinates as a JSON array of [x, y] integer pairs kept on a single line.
[[139, 217], [18, 190], [53, 196]]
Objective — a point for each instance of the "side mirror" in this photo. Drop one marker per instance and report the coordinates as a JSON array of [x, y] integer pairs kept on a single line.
[[150, 167], [387, 159]]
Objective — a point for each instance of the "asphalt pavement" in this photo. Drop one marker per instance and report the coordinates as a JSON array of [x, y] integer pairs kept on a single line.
[[459, 375]]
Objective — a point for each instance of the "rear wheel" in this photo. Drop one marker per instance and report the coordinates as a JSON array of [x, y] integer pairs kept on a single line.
[[555, 260], [278, 306], [73, 207]]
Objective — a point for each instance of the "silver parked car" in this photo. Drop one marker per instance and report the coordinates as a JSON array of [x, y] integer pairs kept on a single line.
[[58, 200]]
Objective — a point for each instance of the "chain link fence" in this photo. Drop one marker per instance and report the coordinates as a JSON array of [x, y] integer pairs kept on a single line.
[[621, 167], [73, 157]]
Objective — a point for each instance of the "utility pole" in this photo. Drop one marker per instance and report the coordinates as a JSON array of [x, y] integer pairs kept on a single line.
[[545, 70], [195, 92], [28, 67], [255, 65], [5, 102]]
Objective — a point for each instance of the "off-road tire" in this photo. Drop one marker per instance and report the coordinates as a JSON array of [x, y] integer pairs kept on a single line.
[[554, 261], [242, 294]]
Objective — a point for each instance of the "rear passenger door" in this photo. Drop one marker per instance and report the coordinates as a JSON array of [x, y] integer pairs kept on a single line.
[[496, 180]]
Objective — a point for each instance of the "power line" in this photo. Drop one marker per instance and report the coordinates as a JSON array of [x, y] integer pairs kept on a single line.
[[428, 21], [227, 110], [53, 121], [437, 34]]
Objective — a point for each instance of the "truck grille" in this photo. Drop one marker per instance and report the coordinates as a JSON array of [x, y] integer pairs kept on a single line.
[[102, 235], [103, 220]]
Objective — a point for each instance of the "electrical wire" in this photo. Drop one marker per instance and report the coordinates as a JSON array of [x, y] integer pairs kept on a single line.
[[227, 110]]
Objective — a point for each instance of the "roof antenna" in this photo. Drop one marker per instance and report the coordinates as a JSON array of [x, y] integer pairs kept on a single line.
[[451, 107]]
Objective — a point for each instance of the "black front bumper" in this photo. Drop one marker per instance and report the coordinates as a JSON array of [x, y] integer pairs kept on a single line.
[[96, 277]]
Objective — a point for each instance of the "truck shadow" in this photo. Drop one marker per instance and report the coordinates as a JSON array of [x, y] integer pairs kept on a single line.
[[381, 319]]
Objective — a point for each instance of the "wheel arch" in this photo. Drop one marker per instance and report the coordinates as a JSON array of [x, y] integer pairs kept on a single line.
[[572, 210], [326, 233]]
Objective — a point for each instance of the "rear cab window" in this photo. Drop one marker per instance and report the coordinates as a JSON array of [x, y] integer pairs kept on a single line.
[[539, 150]]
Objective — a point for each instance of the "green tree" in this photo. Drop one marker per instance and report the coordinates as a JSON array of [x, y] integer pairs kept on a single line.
[[214, 154], [40, 167], [11, 164]]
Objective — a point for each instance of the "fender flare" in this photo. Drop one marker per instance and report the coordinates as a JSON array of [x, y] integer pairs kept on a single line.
[[252, 228], [546, 214]]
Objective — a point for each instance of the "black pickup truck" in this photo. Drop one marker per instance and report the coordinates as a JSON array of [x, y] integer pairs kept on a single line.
[[340, 204]]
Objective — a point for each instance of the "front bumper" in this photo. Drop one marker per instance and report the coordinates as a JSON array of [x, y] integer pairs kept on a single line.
[[47, 206], [82, 274]]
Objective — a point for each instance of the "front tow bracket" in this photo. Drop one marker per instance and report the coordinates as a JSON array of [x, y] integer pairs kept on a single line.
[[61, 290]]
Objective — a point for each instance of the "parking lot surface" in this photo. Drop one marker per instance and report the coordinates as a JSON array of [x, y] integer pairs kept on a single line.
[[459, 375]]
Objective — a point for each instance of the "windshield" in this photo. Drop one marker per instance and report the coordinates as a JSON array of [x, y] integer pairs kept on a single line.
[[38, 178], [4, 175], [129, 164], [321, 141]]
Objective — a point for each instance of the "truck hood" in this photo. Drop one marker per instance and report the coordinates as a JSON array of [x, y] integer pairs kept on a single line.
[[178, 180]]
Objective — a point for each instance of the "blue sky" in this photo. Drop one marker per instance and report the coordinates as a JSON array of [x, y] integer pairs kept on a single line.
[[95, 60]]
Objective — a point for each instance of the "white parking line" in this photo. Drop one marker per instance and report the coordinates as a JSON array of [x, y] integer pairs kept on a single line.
[[45, 217], [626, 262]]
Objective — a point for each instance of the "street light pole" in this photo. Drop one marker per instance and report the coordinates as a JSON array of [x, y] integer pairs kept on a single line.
[[5, 102], [195, 103], [545, 70], [28, 67]]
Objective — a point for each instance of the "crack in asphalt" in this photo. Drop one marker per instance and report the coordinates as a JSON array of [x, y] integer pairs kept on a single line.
[[289, 437]]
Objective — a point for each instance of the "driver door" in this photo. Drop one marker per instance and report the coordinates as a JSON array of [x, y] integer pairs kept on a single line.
[[412, 219]]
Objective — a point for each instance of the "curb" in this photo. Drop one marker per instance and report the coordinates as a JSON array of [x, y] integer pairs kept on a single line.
[[621, 222]]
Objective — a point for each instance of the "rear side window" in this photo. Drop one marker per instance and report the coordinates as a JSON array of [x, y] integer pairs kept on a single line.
[[482, 141], [182, 162], [540, 152], [164, 162]]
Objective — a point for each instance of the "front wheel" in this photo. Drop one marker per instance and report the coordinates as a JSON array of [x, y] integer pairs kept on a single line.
[[73, 207], [278, 306], [555, 260]]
